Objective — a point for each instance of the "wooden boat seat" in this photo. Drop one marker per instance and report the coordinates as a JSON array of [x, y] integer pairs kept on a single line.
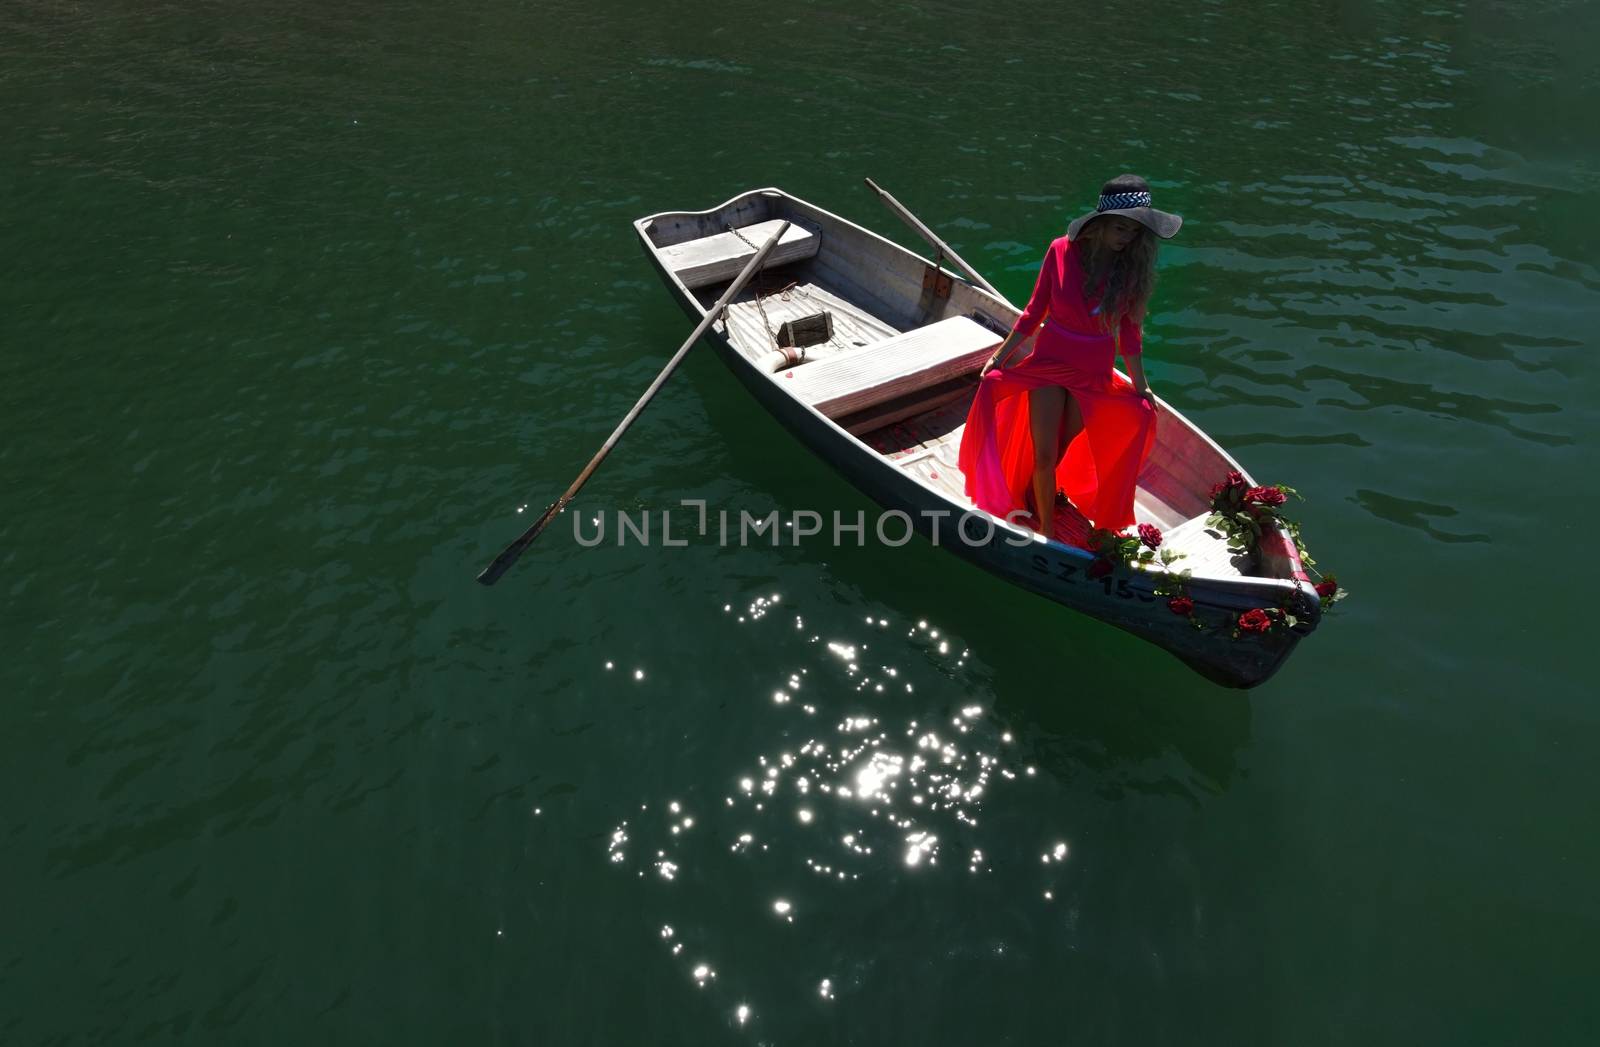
[[919, 358], [713, 259]]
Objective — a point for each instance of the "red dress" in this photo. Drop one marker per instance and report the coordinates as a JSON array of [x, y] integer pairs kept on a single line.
[[1100, 468]]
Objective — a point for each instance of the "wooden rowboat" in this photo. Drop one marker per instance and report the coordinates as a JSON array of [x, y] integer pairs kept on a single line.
[[884, 400]]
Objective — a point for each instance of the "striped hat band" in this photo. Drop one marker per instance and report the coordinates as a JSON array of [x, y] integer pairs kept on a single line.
[[1121, 201]]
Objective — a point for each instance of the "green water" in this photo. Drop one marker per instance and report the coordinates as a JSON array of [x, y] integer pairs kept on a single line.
[[302, 301]]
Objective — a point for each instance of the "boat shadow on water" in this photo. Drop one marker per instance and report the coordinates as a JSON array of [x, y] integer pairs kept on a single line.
[[1094, 699]]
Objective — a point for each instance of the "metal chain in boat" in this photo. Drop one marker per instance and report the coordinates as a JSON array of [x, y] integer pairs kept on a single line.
[[756, 290]]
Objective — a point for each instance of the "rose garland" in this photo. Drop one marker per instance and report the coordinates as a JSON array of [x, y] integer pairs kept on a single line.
[[1144, 549], [1175, 587], [1114, 547], [1241, 513]]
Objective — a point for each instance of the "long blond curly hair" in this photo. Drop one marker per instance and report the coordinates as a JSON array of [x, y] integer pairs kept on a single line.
[[1126, 277]]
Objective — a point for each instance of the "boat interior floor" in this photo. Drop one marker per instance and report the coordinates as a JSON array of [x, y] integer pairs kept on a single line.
[[775, 296], [928, 446]]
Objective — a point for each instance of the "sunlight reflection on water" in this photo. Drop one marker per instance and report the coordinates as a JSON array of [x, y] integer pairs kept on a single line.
[[864, 777]]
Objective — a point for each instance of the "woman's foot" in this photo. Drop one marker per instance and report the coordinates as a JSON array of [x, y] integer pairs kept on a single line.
[[1044, 497]]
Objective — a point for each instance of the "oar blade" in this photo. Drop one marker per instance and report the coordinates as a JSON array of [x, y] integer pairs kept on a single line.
[[508, 556]]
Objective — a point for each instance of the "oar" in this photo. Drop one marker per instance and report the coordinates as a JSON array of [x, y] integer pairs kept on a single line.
[[508, 556], [933, 238]]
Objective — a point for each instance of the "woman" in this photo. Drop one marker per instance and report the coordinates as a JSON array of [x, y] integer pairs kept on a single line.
[[1061, 417]]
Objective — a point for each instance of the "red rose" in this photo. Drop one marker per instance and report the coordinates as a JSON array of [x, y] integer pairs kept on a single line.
[[1255, 620], [1103, 541], [1181, 606], [1327, 587], [1265, 495], [1099, 568], [1150, 535], [1230, 489]]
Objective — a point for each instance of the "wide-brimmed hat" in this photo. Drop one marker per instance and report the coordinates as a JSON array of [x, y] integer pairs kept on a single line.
[[1129, 195]]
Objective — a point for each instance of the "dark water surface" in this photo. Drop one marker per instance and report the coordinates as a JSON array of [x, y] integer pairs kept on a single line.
[[303, 300]]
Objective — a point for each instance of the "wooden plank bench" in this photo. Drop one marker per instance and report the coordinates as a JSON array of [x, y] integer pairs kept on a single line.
[[919, 358], [722, 256]]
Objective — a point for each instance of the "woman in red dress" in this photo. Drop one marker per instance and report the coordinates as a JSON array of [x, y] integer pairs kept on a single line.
[[1081, 428]]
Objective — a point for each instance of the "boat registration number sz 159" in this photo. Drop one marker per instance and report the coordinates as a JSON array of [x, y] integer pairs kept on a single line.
[[1065, 571]]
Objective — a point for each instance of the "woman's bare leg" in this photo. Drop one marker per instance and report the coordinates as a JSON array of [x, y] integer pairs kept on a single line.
[[1071, 424], [1044, 413]]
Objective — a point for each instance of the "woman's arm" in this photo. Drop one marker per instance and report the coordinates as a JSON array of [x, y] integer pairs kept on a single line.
[[1131, 343], [1135, 365], [1033, 314]]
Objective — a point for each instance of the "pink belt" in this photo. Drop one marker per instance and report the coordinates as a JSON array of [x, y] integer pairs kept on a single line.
[[1061, 328]]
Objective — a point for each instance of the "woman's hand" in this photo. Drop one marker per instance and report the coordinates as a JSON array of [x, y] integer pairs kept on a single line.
[[999, 358], [1141, 384]]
